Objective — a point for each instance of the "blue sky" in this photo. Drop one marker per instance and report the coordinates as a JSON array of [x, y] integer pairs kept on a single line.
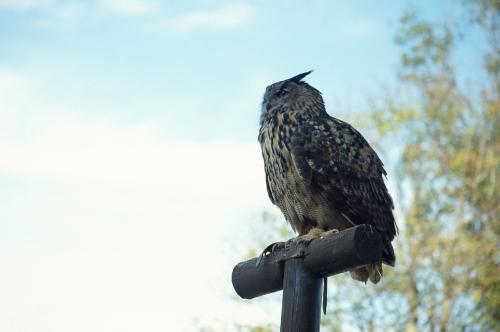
[[128, 131], [185, 67]]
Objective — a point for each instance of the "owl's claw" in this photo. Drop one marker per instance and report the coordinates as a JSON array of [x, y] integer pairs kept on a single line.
[[271, 250], [333, 230], [277, 245], [313, 233]]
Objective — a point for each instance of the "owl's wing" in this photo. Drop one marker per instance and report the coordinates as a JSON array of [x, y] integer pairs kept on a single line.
[[339, 164]]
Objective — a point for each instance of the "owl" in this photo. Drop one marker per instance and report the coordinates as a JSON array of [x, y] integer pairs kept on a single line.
[[320, 171]]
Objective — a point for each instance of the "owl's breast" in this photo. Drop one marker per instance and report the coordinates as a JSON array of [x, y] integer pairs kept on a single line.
[[288, 190], [277, 161], [302, 204]]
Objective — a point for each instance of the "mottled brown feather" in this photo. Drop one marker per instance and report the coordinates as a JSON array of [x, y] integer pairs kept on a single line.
[[348, 171], [320, 171]]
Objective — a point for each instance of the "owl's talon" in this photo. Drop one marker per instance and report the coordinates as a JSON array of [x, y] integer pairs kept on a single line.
[[270, 250], [276, 246], [314, 233], [333, 230]]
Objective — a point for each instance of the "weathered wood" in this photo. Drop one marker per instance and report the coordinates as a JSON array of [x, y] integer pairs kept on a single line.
[[323, 257], [301, 306]]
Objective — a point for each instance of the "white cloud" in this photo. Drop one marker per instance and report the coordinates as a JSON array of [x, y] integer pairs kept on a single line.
[[52, 13], [25, 5], [71, 151], [129, 7], [71, 13], [21, 108], [48, 143], [225, 17], [102, 223], [118, 220]]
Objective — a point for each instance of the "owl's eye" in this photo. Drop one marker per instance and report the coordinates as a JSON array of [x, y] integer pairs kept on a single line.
[[282, 92]]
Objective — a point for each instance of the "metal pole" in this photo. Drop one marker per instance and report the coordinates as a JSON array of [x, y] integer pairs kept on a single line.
[[302, 292]]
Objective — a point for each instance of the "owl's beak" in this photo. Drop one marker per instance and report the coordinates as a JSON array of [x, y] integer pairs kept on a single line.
[[266, 105]]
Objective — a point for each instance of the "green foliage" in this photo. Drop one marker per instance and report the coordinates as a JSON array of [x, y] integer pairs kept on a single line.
[[447, 275], [448, 269]]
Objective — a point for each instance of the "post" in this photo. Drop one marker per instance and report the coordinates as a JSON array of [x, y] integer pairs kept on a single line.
[[299, 271], [301, 307]]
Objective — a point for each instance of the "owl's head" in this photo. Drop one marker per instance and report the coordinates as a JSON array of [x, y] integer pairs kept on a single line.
[[290, 94]]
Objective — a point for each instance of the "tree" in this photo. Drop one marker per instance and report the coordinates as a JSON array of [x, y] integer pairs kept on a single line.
[[447, 276], [450, 161]]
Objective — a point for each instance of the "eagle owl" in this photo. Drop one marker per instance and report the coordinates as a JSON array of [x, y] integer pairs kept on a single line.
[[320, 171]]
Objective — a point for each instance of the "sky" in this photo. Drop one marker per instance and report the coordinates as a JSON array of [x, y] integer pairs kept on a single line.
[[130, 169]]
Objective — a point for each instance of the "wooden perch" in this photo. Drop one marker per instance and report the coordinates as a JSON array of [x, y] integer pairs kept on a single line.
[[323, 257], [301, 268]]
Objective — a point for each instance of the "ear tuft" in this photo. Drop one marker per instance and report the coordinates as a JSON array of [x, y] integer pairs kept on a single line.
[[299, 77]]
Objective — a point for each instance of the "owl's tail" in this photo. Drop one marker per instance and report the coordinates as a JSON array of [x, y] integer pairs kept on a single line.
[[373, 272]]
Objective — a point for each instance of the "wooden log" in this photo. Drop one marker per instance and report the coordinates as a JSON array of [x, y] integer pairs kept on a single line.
[[301, 303], [323, 257]]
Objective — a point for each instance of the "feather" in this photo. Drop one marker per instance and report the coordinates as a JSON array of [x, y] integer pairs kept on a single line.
[[320, 171], [354, 186]]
